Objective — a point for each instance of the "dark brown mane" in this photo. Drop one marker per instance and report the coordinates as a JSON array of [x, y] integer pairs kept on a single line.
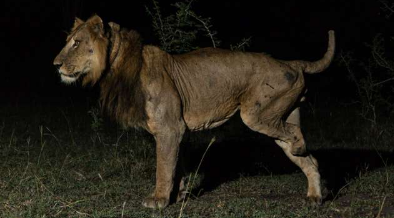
[[121, 94]]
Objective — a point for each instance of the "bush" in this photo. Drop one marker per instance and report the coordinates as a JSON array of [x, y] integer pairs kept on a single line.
[[374, 76], [178, 32]]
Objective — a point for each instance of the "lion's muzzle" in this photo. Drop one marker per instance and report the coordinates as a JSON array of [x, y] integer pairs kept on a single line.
[[58, 63]]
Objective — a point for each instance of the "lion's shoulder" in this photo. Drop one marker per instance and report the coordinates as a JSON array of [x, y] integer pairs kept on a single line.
[[152, 54], [151, 50]]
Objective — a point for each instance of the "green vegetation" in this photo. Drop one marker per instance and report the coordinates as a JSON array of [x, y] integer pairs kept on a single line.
[[178, 32]]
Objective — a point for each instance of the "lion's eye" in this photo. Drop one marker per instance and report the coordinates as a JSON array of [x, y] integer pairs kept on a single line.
[[76, 43]]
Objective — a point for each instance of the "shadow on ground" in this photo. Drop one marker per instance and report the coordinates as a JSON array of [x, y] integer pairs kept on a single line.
[[231, 158]]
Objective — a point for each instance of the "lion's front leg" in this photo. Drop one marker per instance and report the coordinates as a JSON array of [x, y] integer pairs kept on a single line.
[[167, 147]]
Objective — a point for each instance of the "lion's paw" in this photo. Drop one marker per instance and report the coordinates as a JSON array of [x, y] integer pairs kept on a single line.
[[315, 200], [155, 203]]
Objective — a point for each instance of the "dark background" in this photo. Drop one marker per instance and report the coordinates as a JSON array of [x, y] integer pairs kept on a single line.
[[33, 32]]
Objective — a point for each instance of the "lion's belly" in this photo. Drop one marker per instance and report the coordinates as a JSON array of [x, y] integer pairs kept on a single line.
[[208, 119]]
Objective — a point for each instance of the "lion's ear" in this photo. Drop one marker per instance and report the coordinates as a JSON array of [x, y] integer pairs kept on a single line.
[[114, 26], [77, 23], [97, 24]]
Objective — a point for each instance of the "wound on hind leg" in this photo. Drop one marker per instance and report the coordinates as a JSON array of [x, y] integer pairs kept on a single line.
[[296, 140]]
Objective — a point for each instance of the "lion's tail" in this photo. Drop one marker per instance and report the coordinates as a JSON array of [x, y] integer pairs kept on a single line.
[[322, 64]]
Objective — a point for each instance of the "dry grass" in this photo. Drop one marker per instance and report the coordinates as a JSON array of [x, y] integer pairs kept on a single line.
[[51, 167]]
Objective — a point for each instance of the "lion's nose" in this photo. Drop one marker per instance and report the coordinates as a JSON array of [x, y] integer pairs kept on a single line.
[[57, 63]]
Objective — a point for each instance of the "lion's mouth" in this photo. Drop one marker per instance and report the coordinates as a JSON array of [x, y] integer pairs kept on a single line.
[[70, 78], [73, 75]]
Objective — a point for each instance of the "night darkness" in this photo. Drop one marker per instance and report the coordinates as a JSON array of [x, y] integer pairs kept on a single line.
[[34, 32], [336, 125]]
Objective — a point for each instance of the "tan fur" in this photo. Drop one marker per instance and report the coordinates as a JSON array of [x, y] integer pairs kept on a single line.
[[165, 94]]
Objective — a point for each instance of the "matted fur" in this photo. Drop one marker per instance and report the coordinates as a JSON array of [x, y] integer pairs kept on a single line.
[[167, 94]]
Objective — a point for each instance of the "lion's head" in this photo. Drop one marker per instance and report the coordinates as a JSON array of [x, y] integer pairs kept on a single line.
[[85, 52]]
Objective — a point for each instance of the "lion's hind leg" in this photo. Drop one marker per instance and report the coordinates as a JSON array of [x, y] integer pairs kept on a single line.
[[309, 167], [308, 164], [275, 127], [268, 120]]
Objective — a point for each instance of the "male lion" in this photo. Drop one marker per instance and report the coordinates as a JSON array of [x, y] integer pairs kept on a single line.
[[165, 94]]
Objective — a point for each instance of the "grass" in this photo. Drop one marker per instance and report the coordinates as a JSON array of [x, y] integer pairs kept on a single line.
[[52, 165]]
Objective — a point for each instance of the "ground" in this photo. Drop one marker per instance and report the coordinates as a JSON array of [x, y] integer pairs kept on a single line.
[[54, 164]]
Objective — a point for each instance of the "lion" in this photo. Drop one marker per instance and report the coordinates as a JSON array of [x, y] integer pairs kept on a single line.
[[144, 86]]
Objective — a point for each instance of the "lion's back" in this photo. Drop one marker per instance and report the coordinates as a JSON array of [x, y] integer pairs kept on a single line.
[[212, 81]]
